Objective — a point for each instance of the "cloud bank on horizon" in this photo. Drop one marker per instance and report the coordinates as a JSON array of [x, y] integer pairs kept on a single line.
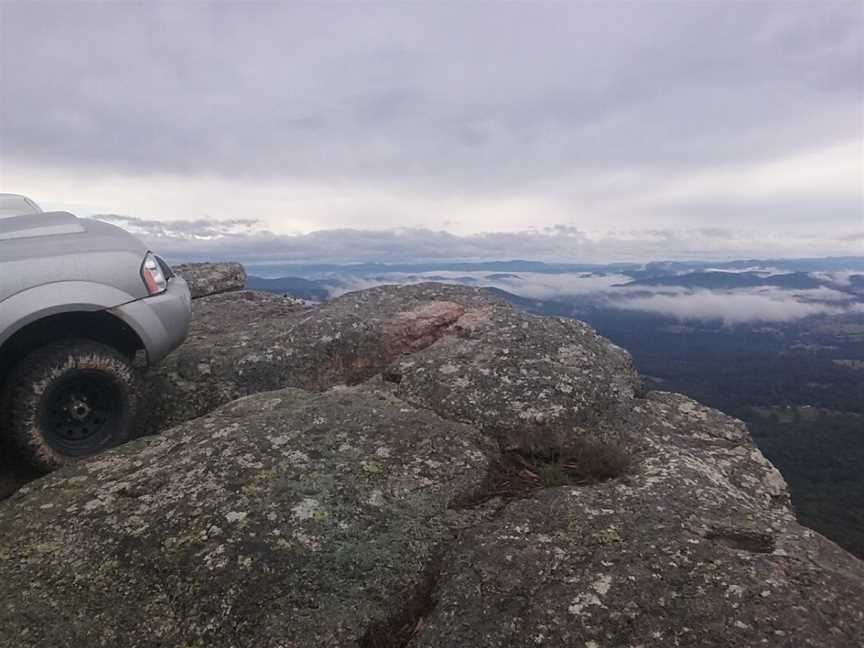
[[339, 132], [737, 307], [242, 240], [731, 307]]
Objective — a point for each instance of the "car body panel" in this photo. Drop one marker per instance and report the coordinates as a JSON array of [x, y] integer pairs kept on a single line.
[[47, 224], [54, 263], [100, 252], [161, 321], [30, 305]]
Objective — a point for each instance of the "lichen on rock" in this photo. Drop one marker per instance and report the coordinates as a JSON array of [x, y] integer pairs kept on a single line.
[[329, 480], [212, 278], [332, 505]]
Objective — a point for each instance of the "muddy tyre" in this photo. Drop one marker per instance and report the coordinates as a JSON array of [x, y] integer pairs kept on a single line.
[[68, 400]]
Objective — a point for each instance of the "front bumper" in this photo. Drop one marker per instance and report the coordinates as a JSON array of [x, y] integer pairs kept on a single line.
[[161, 321]]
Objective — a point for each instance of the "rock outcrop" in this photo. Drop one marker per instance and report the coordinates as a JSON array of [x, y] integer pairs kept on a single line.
[[512, 374], [212, 278], [419, 466]]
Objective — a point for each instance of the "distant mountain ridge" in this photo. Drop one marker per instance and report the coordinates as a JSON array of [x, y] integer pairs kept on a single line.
[[636, 270], [313, 284], [724, 280], [295, 286]]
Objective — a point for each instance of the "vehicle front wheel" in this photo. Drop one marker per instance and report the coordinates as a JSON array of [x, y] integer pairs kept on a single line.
[[68, 400]]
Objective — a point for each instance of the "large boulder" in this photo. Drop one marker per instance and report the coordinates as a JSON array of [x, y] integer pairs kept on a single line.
[[301, 529], [695, 546], [353, 518], [212, 278], [525, 378], [531, 382], [432, 469]]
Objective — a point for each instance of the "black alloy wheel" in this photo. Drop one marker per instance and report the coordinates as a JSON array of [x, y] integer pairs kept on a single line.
[[79, 412]]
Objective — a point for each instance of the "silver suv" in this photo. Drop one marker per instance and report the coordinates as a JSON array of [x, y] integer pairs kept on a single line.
[[78, 300]]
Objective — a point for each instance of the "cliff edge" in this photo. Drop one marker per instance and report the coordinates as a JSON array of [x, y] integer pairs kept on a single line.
[[417, 466]]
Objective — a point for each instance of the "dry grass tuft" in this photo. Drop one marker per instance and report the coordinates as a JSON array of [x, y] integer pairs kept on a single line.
[[581, 462]]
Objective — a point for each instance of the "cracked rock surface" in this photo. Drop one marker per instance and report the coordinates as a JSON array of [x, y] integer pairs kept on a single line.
[[301, 533], [312, 492], [212, 278], [695, 547], [456, 349]]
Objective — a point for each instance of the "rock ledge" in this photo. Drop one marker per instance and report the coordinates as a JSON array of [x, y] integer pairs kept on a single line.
[[317, 488]]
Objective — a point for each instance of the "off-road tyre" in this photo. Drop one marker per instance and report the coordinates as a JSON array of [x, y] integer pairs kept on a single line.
[[68, 400]]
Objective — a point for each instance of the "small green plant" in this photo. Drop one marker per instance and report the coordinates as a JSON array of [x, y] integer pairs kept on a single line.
[[517, 473], [579, 462]]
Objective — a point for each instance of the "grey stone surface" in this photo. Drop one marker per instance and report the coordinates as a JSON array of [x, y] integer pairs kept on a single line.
[[338, 515], [696, 546], [501, 368], [299, 533], [212, 278], [529, 381]]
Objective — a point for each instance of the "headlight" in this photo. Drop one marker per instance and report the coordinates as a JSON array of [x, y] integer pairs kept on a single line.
[[151, 273]]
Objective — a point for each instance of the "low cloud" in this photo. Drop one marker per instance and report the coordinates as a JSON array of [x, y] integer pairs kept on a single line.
[[243, 240], [841, 278], [731, 307], [535, 285]]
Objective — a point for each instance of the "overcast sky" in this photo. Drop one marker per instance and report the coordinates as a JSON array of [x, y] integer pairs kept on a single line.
[[559, 131]]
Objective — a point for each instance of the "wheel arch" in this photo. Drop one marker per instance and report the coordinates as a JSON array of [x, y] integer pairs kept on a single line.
[[98, 326]]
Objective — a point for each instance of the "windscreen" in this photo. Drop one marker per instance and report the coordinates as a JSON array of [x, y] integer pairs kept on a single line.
[[15, 205]]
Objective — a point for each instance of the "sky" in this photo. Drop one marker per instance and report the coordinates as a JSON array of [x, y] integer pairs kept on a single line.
[[339, 132]]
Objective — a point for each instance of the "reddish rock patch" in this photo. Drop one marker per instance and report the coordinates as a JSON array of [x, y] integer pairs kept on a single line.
[[417, 329]]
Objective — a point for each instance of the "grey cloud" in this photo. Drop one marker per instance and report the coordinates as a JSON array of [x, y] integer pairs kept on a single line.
[[183, 230], [829, 212], [734, 307], [241, 240], [207, 240], [464, 97]]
